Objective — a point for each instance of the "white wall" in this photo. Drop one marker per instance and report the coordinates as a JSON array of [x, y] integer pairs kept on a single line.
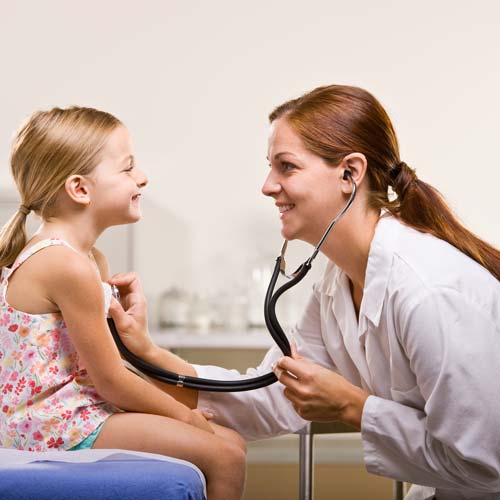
[[194, 81]]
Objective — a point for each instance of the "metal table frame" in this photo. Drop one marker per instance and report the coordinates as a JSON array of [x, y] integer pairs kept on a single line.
[[306, 457]]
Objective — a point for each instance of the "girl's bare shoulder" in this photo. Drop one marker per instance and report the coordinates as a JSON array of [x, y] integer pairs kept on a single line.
[[44, 275], [102, 264]]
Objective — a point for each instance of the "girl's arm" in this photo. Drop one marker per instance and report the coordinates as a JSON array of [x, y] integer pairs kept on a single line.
[[131, 322], [161, 357], [76, 288]]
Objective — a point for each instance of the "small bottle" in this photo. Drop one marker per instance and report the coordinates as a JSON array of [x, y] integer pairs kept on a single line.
[[173, 308], [201, 314], [232, 311]]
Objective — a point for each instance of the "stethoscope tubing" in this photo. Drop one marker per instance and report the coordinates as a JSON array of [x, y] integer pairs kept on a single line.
[[212, 385], [270, 318], [187, 381], [272, 323]]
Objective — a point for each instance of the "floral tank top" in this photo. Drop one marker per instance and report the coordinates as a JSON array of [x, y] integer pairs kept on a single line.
[[47, 400]]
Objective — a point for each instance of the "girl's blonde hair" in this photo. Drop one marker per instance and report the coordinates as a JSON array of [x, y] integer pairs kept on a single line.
[[51, 146]]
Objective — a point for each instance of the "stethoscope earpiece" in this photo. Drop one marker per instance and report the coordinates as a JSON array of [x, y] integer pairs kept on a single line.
[[347, 175]]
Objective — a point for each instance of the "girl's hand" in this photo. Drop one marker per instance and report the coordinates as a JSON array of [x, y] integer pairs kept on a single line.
[[130, 314], [319, 394]]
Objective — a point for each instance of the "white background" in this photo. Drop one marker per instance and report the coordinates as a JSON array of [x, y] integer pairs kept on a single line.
[[194, 82]]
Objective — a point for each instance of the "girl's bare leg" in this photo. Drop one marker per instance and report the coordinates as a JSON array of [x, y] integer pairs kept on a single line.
[[230, 435], [220, 456]]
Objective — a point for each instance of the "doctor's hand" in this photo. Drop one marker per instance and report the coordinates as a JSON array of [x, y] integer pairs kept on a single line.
[[200, 419], [130, 314], [319, 394]]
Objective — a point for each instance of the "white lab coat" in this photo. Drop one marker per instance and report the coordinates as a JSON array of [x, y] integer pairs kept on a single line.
[[427, 349]]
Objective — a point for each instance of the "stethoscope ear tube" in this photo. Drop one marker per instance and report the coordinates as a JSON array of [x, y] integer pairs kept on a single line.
[[272, 322]]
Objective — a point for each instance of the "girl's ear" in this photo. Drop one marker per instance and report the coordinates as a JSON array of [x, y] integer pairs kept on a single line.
[[77, 189], [353, 166]]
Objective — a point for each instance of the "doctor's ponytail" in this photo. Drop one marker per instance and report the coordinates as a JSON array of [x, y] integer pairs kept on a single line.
[[337, 120], [422, 206]]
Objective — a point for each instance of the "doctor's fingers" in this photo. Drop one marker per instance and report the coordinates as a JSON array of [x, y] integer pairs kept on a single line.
[[295, 389], [127, 282], [122, 320], [295, 352], [131, 293], [302, 368], [303, 408]]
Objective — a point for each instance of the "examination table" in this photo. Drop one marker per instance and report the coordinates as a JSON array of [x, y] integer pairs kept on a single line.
[[97, 475]]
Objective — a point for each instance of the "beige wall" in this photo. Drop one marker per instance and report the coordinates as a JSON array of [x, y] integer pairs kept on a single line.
[[194, 82]]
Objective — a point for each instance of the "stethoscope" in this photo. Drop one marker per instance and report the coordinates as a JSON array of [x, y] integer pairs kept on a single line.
[[272, 323]]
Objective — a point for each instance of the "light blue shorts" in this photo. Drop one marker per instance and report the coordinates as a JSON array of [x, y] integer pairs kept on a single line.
[[88, 442]]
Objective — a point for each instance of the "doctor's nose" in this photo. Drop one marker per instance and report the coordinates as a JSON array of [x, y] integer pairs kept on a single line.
[[271, 187]]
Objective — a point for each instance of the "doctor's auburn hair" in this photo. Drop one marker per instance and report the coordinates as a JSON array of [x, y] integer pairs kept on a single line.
[[48, 148], [337, 120]]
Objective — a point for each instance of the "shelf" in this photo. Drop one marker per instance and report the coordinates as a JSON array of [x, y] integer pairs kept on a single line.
[[212, 339]]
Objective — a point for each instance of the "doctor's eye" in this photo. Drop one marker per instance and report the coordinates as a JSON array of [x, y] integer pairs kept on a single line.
[[286, 166]]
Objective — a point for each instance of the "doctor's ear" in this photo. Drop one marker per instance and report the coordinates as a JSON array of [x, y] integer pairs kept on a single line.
[[353, 168], [76, 187]]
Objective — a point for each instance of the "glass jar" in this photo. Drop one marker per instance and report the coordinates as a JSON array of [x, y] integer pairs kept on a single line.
[[260, 277], [173, 308]]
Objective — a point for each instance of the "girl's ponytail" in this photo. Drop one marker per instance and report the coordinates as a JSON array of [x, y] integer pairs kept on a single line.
[[13, 237]]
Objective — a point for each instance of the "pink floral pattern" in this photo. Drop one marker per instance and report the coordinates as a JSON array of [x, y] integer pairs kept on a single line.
[[47, 400]]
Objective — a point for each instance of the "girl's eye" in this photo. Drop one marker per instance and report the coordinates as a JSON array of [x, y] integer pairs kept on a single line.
[[129, 168]]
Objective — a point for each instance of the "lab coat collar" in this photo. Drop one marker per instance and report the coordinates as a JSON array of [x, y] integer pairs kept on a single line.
[[378, 270], [379, 267]]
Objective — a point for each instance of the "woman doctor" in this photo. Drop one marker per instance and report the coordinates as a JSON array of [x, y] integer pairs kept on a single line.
[[400, 338]]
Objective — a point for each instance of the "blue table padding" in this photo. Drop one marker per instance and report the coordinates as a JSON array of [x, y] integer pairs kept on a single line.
[[103, 480]]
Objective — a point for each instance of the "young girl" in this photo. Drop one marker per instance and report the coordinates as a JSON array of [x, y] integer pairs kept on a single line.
[[62, 382]]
